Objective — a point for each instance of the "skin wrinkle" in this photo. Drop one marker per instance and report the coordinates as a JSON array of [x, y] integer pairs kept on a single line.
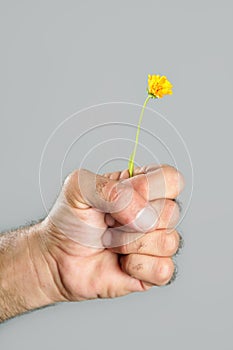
[[62, 292], [61, 287], [34, 267], [146, 286]]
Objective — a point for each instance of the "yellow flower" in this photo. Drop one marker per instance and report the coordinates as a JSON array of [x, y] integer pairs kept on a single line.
[[158, 86]]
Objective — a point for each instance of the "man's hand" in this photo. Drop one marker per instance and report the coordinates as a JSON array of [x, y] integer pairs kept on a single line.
[[106, 236], [133, 218]]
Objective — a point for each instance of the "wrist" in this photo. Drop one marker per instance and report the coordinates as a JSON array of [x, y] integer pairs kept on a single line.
[[46, 279], [27, 272]]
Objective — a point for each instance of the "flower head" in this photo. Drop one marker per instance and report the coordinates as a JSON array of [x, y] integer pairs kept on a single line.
[[158, 86]]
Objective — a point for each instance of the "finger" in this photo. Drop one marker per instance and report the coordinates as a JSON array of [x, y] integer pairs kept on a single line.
[[147, 168], [114, 237], [163, 182], [169, 182], [124, 174], [115, 175], [168, 211], [119, 235], [139, 170], [110, 196], [161, 243], [149, 269], [168, 214]]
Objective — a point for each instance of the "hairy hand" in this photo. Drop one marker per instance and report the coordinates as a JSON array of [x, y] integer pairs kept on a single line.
[[112, 235]]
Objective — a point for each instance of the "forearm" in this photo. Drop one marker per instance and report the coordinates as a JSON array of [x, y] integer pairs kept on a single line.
[[26, 281]]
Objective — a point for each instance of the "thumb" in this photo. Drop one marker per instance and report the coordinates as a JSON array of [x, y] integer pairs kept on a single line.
[[119, 199]]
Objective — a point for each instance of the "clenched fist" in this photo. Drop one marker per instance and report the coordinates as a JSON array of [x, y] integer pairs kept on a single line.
[[111, 235], [106, 236]]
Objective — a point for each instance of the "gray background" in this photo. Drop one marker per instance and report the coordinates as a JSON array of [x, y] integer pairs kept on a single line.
[[58, 57]]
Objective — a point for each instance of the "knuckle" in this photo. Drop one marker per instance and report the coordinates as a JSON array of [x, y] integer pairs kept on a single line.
[[163, 243], [115, 175], [171, 171], [174, 179], [165, 271], [107, 175], [172, 243], [172, 213], [72, 188], [69, 178]]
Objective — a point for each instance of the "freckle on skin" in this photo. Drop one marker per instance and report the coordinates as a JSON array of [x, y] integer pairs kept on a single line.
[[100, 185], [137, 267]]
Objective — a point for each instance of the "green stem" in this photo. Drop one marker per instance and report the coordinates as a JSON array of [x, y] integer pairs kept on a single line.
[[132, 157]]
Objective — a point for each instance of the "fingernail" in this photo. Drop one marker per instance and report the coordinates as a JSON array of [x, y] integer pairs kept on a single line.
[[146, 219], [107, 239]]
